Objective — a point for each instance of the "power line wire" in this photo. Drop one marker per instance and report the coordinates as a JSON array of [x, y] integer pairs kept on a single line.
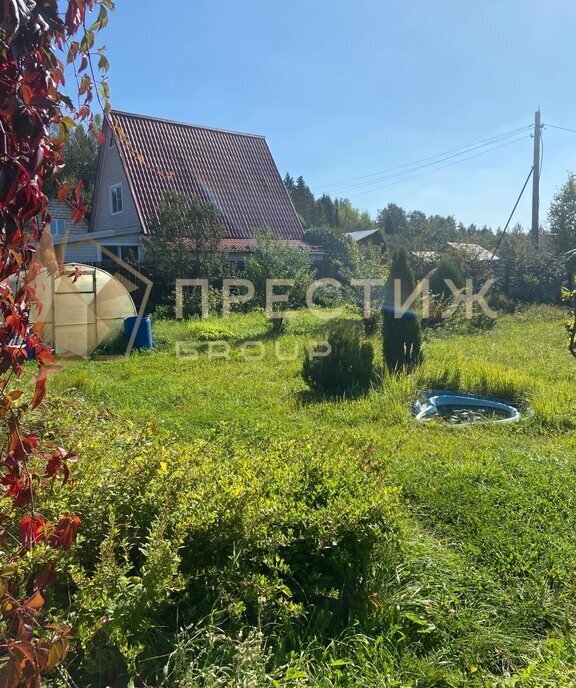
[[554, 126], [312, 204], [421, 167], [455, 162], [462, 150]]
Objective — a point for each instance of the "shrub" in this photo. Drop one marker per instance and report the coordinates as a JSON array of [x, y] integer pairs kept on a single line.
[[270, 532], [445, 270], [402, 336], [192, 306], [209, 332], [500, 302], [534, 277], [163, 312], [275, 259], [348, 368]]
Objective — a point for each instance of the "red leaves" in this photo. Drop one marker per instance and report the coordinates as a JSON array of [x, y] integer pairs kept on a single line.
[[75, 274], [32, 531], [31, 110], [27, 660], [64, 191], [74, 15], [47, 368], [58, 463], [64, 532], [35, 529], [39, 392]]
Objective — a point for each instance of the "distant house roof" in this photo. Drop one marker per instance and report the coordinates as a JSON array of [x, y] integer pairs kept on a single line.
[[233, 171], [362, 234], [425, 255], [472, 251]]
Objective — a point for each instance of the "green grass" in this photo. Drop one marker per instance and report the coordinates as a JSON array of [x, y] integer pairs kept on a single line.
[[482, 592]]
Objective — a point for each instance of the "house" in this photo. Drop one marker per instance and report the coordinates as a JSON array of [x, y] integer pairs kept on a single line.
[[142, 158], [367, 236], [62, 223], [473, 252]]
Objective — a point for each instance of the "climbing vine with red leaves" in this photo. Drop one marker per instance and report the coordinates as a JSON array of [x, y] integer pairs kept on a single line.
[[42, 42]]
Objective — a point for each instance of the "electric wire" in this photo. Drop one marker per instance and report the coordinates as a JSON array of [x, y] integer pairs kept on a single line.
[[433, 159], [436, 169], [554, 126]]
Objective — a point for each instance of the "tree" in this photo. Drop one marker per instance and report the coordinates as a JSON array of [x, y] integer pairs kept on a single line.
[[185, 237], [402, 337], [81, 157], [35, 126], [289, 183], [350, 219], [392, 219], [325, 211], [81, 160], [562, 216], [304, 201]]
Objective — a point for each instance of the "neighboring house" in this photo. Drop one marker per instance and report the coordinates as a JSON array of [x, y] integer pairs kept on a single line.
[[473, 252], [367, 236], [61, 222], [142, 158]]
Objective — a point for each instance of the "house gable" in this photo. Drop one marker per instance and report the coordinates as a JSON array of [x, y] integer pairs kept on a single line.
[[111, 175]]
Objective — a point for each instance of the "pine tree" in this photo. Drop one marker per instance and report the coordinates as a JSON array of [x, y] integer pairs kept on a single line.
[[402, 337], [392, 219], [289, 183]]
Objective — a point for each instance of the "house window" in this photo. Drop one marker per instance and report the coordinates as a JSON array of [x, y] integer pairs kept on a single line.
[[125, 252], [112, 141], [116, 200], [57, 227]]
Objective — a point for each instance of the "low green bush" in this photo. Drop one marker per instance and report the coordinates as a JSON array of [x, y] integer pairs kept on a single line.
[[347, 369], [271, 533], [192, 306], [445, 270]]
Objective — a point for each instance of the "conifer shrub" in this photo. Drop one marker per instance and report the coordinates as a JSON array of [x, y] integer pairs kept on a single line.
[[347, 369], [445, 270], [402, 335]]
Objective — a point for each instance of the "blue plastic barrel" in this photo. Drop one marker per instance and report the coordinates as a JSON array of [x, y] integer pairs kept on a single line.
[[143, 339]]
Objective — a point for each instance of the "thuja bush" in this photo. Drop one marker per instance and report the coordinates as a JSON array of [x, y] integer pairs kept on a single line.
[[401, 332], [275, 533], [445, 270], [347, 369]]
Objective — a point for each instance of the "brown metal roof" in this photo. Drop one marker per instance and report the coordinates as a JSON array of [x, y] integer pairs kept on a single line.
[[233, 171]]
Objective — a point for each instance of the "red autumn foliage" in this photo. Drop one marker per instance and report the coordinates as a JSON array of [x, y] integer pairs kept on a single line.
[[36, 117]]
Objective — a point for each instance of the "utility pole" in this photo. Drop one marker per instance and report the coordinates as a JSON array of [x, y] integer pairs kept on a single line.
[[536, 181]]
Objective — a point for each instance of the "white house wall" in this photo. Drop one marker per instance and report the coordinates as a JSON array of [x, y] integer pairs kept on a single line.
[[91, 252], [59, 210], [110, 173]]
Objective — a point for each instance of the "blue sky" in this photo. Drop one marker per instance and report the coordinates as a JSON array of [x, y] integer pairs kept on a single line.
[[346, 88]]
